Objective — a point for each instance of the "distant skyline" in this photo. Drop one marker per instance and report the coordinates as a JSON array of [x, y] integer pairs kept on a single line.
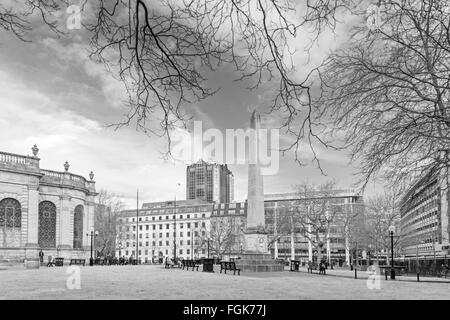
[[52, 95]]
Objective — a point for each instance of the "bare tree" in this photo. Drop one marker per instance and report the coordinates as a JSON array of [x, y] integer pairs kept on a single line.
[[388, 91], [315, 213], [381, 212], [223, 236], [107, 210]]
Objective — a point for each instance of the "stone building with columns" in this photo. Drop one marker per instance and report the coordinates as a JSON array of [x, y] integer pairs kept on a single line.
[[43, 209]]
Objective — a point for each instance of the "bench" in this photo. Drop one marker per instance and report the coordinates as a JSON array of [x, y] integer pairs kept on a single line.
[[59, 262], [77, 261], [230, 266]]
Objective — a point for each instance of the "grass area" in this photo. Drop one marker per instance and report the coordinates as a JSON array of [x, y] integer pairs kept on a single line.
[[155, 282]]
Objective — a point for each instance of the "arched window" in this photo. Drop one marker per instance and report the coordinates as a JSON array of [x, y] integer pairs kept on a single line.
[[78, 227], [47, 224], [10, 222]]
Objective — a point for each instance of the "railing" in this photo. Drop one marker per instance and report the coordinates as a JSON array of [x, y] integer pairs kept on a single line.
[[14, 158], [16, 161], [60, 178]]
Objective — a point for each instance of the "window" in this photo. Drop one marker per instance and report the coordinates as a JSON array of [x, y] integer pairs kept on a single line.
[[153, 218], [128, 244], [140, 219], [181, 233], [140, 228], [181, 251], [188, 251], [134, 228], [167, 234], [154, 227], [196, 225], [146, 243], [126, 252], [160, 243], [160, 235], [167, 226], [181, 242], [140, 235], [181, 216], [153, 243], [147, 227], [160, 227], [203, 224], [181, 226], [167, 217], [188, 216], [154, 236], [188, 233], [188, 225], [189, 243], [47, 223], [160, 218], [203, 215], [167, 242], [196, 233]]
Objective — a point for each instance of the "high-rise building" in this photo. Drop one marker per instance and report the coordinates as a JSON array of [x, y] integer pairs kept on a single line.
[[210, 182], [424, 212]]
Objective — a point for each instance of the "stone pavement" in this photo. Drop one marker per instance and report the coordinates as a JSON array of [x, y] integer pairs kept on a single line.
[[155, 282]]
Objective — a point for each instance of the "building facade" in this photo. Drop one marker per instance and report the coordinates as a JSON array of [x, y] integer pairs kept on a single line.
[[287, 238], [43, 209], [199, 228], [424, 216], [160, 229], [210, 182]]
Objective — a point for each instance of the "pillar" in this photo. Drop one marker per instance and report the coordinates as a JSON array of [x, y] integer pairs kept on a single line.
[[31, 260]]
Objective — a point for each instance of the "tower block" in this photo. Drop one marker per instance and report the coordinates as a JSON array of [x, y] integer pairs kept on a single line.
[[256, 256]]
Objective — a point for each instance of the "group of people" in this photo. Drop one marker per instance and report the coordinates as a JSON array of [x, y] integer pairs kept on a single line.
[[323, 266]]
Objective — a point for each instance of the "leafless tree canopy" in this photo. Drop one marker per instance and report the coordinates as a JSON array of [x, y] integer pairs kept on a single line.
[[389, 91]]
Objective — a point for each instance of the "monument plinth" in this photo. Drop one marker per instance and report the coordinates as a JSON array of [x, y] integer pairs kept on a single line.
[[256, 256]]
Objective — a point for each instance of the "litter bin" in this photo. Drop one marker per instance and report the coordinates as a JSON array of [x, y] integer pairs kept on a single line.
[[208, 265]]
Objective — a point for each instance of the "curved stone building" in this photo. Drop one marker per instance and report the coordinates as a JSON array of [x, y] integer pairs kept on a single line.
[[43, 209]]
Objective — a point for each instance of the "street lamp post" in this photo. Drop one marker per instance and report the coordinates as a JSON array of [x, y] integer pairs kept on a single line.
[[368, 254], [92, 235], [391, 232], [207, 239]]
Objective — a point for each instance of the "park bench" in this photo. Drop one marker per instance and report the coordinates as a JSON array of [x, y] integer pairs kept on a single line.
[[230, 266], [59, 262], [77, 261]]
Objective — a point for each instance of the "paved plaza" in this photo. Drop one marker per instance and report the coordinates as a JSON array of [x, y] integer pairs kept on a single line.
[[155, 282]]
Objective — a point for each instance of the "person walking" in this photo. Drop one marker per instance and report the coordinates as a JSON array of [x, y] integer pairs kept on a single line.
[[41, 257]]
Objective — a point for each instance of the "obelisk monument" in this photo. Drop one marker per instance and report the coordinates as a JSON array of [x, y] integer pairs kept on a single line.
[[256, 256]]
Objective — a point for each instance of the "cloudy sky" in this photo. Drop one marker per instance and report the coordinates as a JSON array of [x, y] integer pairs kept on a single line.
[[52, 95]]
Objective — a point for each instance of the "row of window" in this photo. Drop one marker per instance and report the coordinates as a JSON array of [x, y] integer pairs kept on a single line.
[[160, 243], [168, 234], [180, 217], [168, 226], [146, 252]]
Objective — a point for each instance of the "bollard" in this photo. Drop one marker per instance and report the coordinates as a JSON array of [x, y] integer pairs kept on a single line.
[[385, 274], [418, 277], [356, 274]]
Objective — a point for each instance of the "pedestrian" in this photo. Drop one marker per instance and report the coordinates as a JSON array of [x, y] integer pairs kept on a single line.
[[41, 257]]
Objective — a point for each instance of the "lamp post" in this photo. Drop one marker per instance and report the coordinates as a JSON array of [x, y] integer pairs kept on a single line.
[[92, 235], [391, 232], [368, 254], [208, 239]]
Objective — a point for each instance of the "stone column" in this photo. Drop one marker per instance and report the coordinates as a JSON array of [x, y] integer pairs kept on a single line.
[[32, 246], [65, 230]]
